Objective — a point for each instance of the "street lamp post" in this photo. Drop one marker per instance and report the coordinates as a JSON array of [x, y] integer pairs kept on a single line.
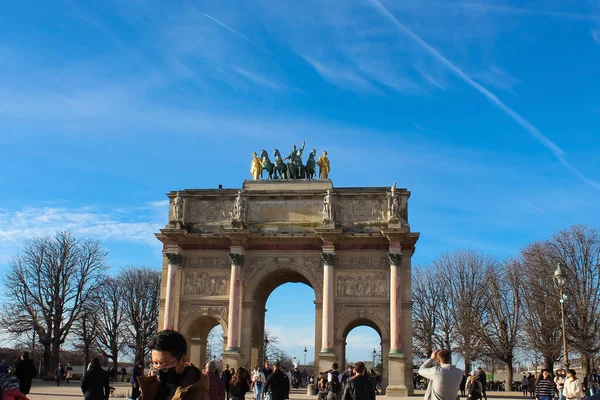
[[305, 351], [266, 348], [560, 278], [374, 355]]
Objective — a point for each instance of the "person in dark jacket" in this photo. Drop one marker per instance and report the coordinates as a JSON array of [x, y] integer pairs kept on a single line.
[[95, 385], [359, 387], [483, 379], [226, 378], [240, 384], [278, 383], [136, 372], [25, 371]]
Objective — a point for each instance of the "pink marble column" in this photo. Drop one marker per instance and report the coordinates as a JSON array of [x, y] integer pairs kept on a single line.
[[395, 260], [235, 297], [328, 298], [174, 262]]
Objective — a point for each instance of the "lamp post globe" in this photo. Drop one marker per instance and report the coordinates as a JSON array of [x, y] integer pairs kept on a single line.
[[560, 279], [266, 348], [305, 351]]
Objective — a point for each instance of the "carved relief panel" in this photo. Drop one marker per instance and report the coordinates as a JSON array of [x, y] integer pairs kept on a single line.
[[303, 211], [362, 262], [205, 284], [207, 262], [209, 212], [364, 285], [361, 210]]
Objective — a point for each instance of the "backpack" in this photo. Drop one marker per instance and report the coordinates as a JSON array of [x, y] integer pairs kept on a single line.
[[335, 385]]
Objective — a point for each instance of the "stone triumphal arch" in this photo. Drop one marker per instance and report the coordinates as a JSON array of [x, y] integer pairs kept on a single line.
[[226, 250]]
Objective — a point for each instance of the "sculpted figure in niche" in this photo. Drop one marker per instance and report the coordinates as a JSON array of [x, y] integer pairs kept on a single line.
[[239, 207], [328, 207], [393, 203], [178, 208]]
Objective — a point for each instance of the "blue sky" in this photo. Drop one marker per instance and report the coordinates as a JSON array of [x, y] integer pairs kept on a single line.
[[488, 111]]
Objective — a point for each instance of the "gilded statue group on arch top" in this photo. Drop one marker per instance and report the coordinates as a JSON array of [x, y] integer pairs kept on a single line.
[[226, 250]]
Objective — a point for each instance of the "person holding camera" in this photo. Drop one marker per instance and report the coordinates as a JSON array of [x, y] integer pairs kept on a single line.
[[444, 378]]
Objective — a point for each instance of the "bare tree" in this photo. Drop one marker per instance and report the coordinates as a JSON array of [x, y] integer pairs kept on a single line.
[[446, 330], [426, 305], [578, 249], [86, 330], [47, 284], [541, 320], [498, 328], [272, 350], [141, 299], [464, 275], [110, 338], [214, 342]]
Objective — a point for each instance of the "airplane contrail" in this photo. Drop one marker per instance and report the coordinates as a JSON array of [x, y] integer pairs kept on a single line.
[[529, 127]]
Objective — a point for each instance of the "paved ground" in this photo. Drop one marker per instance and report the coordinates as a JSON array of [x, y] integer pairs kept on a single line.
[[49, 391]]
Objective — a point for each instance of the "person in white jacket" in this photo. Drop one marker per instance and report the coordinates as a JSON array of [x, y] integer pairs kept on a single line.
[[444, 378], [573, 389], [258, 382]]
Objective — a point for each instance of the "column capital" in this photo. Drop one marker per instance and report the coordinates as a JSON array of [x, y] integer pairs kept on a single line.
[[328, 258], [236, 258], [394, 258], [174, 258]]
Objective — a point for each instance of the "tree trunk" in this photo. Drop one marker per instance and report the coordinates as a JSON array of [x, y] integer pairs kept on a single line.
[[139, 353], [55, 357], [468, 366], [549, 364], [47, 358], [86, 357], [509, 376], [116, 363], [585, 364]]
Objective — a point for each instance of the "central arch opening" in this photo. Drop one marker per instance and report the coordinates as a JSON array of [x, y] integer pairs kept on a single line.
[[363, 342], [288, 328]]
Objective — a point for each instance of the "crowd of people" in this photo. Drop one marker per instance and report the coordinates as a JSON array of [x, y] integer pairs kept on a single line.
[[563, 384], [443, 380], [173, 377]]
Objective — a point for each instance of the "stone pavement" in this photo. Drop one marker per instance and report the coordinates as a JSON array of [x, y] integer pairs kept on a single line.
[[49, 391]]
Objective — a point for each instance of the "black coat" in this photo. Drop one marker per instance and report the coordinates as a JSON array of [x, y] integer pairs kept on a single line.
[[279, 385], [25, 371], [359, 388], [95, 384], [239, 390]]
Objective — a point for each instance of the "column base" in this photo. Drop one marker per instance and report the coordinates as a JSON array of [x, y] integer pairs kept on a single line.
[[231, 356], [396, 391], [396, 367], [326, 357]]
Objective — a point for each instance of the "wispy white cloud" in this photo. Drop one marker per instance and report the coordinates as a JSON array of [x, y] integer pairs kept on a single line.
[[118, 225], [246, 38], [529, 127], [342, 77], [524, 11], [596, 35], [497, 78], [256, 78]]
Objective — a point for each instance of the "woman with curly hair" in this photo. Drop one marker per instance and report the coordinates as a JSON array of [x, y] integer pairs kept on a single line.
[[240, 384]]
